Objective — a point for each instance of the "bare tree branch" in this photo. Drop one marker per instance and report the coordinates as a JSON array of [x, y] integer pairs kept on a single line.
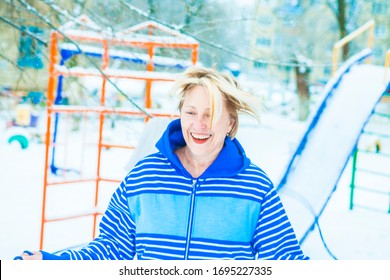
[[212, 44], [20, 28], [47, 21]]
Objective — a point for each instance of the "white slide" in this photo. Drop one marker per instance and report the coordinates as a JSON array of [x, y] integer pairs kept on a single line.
[[152, 132], [328, 144]]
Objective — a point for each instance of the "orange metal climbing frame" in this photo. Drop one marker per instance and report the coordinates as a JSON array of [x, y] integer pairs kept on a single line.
[[128, 38]]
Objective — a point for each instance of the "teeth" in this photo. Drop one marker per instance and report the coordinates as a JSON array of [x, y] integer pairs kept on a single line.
[[200, 136]]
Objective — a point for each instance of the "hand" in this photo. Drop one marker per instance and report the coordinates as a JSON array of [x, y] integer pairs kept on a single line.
[[27, 255]]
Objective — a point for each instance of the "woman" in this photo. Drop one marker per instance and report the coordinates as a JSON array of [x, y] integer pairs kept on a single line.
[[199, 196]]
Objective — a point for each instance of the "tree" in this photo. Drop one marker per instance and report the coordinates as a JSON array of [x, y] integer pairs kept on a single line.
[[302, 69], [345, 12]]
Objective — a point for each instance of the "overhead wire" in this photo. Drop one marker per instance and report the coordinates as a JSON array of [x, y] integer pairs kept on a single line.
[[141, 13], [27, 32], [34, 37], [67, 15], [20, 28], [48, 22], [43, 55], [297, 197], [15, 65], [212, 44]]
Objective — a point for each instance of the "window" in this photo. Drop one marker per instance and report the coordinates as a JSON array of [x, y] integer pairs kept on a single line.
[[260, 65], [378, 52], [264, 20], [380, 31], [30, 49], [264, 42], [379, 8], [327, 71]]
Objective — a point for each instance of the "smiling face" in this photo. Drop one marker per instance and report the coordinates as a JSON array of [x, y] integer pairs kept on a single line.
[[204, 137]]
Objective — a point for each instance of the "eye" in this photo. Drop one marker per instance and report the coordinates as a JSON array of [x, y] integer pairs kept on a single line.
[[190, 113]]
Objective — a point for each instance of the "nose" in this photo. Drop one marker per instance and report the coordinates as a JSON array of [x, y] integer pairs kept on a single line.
[[201, 122]]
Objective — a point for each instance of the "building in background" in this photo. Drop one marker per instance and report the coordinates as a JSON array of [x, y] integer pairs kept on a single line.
[[284, 29], [282, 32]]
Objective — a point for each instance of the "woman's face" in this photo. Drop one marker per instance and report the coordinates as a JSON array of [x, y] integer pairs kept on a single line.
[[202, 139]]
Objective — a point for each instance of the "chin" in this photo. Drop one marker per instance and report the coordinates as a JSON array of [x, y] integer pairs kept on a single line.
[[199, 151]]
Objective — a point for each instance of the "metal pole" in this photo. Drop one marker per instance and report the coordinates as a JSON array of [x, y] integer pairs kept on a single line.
[[352, 185]]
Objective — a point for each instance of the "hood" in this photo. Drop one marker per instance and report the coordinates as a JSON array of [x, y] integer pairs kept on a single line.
[[232, 153]]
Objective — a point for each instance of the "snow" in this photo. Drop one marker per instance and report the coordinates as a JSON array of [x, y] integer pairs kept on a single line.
[[361, 233], [330, 143], [92, 31], [350, 234], [157, 60], [82, 20], [175, 35]]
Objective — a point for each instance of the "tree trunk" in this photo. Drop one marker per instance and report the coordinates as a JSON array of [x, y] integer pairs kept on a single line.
[[302, 78], [342, 26]]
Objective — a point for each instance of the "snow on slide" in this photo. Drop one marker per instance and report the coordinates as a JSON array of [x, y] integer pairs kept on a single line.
[[315, 172]]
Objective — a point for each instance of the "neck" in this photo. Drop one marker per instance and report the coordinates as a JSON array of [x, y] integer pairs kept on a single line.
[[195, 165]]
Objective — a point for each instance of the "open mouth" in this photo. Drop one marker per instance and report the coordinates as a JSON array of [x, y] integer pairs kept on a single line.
[[200, 138]]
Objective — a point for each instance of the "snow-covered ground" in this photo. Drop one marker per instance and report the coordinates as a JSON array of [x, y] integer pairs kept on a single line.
[[349, 234]]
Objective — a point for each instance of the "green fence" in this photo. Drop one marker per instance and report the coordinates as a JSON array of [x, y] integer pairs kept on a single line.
[[370, 180]]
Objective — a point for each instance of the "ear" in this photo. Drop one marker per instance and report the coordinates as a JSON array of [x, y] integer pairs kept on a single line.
[[232, 122]]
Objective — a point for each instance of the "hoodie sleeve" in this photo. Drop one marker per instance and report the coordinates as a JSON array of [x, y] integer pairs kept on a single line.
[[117, 234], [274, 236]]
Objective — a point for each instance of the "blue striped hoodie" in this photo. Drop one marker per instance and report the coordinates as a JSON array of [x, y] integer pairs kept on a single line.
[[159, 211]]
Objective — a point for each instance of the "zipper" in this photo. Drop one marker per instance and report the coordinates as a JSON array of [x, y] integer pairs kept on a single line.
[[190, 217]]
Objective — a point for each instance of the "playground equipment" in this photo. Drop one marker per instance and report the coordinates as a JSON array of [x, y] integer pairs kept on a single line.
[[359, 173], [374, 180], [92, 44], [322, 154], [23, 121], [312, 174], [19, 136], [367, 27], [387, 65]]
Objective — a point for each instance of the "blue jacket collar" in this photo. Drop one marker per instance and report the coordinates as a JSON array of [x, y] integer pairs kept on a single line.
[[230, 161]]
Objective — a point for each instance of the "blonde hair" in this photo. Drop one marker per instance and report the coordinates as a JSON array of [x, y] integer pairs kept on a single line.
[[222, 88]]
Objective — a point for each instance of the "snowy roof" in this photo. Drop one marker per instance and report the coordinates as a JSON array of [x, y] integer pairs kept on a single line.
[[83, 22], [84, 27], [171, 34]]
